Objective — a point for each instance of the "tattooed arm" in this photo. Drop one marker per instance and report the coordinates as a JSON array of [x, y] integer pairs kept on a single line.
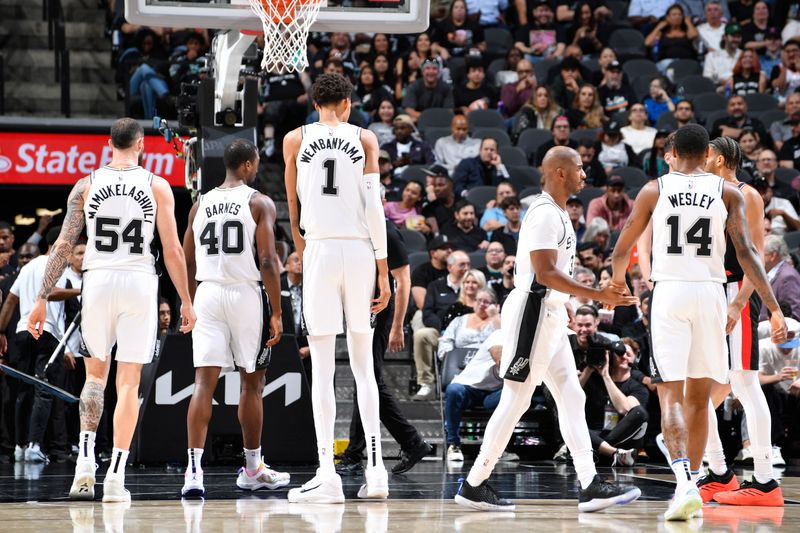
[[59, 254]]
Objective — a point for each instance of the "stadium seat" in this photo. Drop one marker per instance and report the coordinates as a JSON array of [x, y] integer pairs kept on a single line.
[[498, 42], [435, 116], [634, 177], [760, 102], [619, 9], [414, 173], [769, 116], [477, 259], [792, 240], [499, 135], [711, 117], [591, 134], [485, 118], [434, 133], [513, 156], [524, 176], [458, 69], [592, 64], [479, 196], [587, 194], [416, 259], [632, 193], [681, 68], [707, 102], [620, 117], [529, 191], [531, 139], [666, 122], [783, 180], [628, 43], [494, 67], [641, 87], [696, 84], [415, 241], [540, 68], [640, 68]]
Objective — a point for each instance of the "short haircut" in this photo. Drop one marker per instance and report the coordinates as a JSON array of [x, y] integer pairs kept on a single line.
[[239, 152], [583, 246], [668, 143], [587, 310], [632, 343], [583, 271], [686, 101], [586, 143], [690, 140], [52, 235], [125, 132], [162, 300], [5, 225], [776, 244], [510, 201], [331, 89], [490, 138], [461, 204], [729, 150]]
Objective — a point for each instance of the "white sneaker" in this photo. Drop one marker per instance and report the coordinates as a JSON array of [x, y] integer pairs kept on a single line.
[[624, 457], [745, 455], [19, 454], [83, 482], [114, 490], [425, 392], [82, 519], [33, 454], [264, 477], [193, 484], [377, 484], [454, 454], [777, 458], [508, 457], [684, 505], [320, 489], [662, 445], [562, 455]]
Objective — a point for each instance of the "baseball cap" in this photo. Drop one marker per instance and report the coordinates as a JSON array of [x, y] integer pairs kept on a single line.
[[732, 28], [760, 183], [405, 119], [570, 63], [436, 170], [439, 242], [611, 127], [792, 340], [614, 65], [430, 63], [772, 33], [383, 154], [574, 200], [616, 180]]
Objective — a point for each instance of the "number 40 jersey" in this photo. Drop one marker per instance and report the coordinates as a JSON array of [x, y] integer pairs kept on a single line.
[[224, 236], [330, 171], [689, 229]]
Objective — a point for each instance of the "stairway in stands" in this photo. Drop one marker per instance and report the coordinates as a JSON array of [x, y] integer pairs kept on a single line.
[[31, 89]]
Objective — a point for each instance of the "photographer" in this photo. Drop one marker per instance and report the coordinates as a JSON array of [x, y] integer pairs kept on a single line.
[[616, 402], [585, 327]]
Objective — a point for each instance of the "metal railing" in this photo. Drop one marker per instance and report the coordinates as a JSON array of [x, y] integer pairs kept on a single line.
[[53, 13]]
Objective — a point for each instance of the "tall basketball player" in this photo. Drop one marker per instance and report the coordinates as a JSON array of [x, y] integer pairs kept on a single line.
[[333, 190], [121, 205], [744, 307], [230, 248], [536, 347], [691, 211]]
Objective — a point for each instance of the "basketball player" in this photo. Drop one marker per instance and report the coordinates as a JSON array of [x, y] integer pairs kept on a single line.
[[230, 227], [333, 191], [691, 211], [121, 204], [536, 348], [744, 307]]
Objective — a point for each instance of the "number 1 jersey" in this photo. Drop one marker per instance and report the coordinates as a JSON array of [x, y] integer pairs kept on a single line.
[[225, 236], [330, 169], [120, 212], [689, 229]]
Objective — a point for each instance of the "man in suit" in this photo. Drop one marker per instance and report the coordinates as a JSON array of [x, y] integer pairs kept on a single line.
[[292, 287], [783, 277]]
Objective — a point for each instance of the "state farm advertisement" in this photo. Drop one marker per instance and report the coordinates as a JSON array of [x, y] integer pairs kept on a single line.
[[63, 158]]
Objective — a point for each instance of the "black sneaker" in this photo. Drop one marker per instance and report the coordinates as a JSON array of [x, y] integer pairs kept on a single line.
[[409, 459], [601, 494], [349, 467], [483, 497]]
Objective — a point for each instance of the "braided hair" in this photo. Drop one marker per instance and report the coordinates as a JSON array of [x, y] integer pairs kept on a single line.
[[729, 150]]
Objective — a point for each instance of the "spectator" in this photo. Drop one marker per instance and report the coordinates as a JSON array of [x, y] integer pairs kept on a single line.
[[719, 64], [614, 206], [607, 56], [567, 84], [495, 257], [780, 211], [493, 217], [781, 130], [341, 49], [737, 119], [164, 317], [696, 8], [292, 283], [459, 145], [777, 372], [612, 321], [750, 143], [146, 64], [457, 35], [8, 257], [766, 164], [643, 14], [514, 95], [575, 212], [595, 173], [474, 92], [585, 327], [672, 38], [712, 30], [586, 111], [561, 137], [189, 64], [439, 296], [491, 12], [472, 282], [754, 33], [783, 277], [502, 287], [789, 154], [407, 212], [684, 113], [639, 330], [540, 111], [658, 101], [405, 149], [586, 32], [508, 235], [541, 38], [654, 164], [616, 403], [770, 55], [392, 188], [439, 250], [637, 134], [478, 384], [384, 74], [615, 93], [427, 92], [383, 126], [440, 211], [791, 29], [615, 153], [585, 277], [598, 233], [508, 72], [464, 232], [590, 257], [785, 76], [486, 168], [370, 91]]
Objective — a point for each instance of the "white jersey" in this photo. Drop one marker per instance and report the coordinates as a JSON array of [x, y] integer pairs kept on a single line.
[[330, 168], [689, 229], [26, 287], [545, 227], [225, 236], [120, 212]]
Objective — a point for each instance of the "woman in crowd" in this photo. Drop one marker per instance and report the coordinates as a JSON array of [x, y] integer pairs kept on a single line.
[[659, 100], [408, 67], [613, 321], [586, 111], [598, 232], [607, 55], [788, 79], [750, 143], [586, 32], [754, 32], [384, 75], [382, 127], [747, 76], [613, 152], [370, 91], [473, 281], [469, 330], [654, 164], [672, 38], [539, 112], [407, 212], [637, 133], [456, 35]]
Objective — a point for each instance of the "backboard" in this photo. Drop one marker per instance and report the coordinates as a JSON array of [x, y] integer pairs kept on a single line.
[[397, 16]]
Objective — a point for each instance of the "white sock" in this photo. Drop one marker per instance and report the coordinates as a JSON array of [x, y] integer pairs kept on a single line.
[[359, 346], [195, 460], [682, 471], [116, 469], [714, 451], [252, 459], [584, 466], [86, 445], [746, 387], [695, 476], [323, 397]]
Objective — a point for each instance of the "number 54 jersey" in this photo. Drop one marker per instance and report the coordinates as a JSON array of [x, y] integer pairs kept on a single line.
[[224, 236]]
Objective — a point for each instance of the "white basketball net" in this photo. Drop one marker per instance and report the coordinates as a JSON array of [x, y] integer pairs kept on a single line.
[[286, 24]]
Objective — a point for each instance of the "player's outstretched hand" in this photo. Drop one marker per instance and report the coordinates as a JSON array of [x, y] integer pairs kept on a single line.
[[37, 318], [734, 313], [614, 295], [778, 327], [188, 318], [275, 330], [380, 303]]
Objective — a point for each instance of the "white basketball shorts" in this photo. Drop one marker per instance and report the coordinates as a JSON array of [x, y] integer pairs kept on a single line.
[[687, 325], [120, 307], [232, 326], [338, 282]]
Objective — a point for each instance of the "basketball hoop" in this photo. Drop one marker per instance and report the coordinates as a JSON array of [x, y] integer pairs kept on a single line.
[[286, 24]]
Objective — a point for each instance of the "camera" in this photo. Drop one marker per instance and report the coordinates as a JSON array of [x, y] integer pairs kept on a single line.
[[187, 105], [598, 346]]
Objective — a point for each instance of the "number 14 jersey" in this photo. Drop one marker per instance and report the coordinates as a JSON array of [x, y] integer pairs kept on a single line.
[[689, 229], [224, 236], [330, 171]]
